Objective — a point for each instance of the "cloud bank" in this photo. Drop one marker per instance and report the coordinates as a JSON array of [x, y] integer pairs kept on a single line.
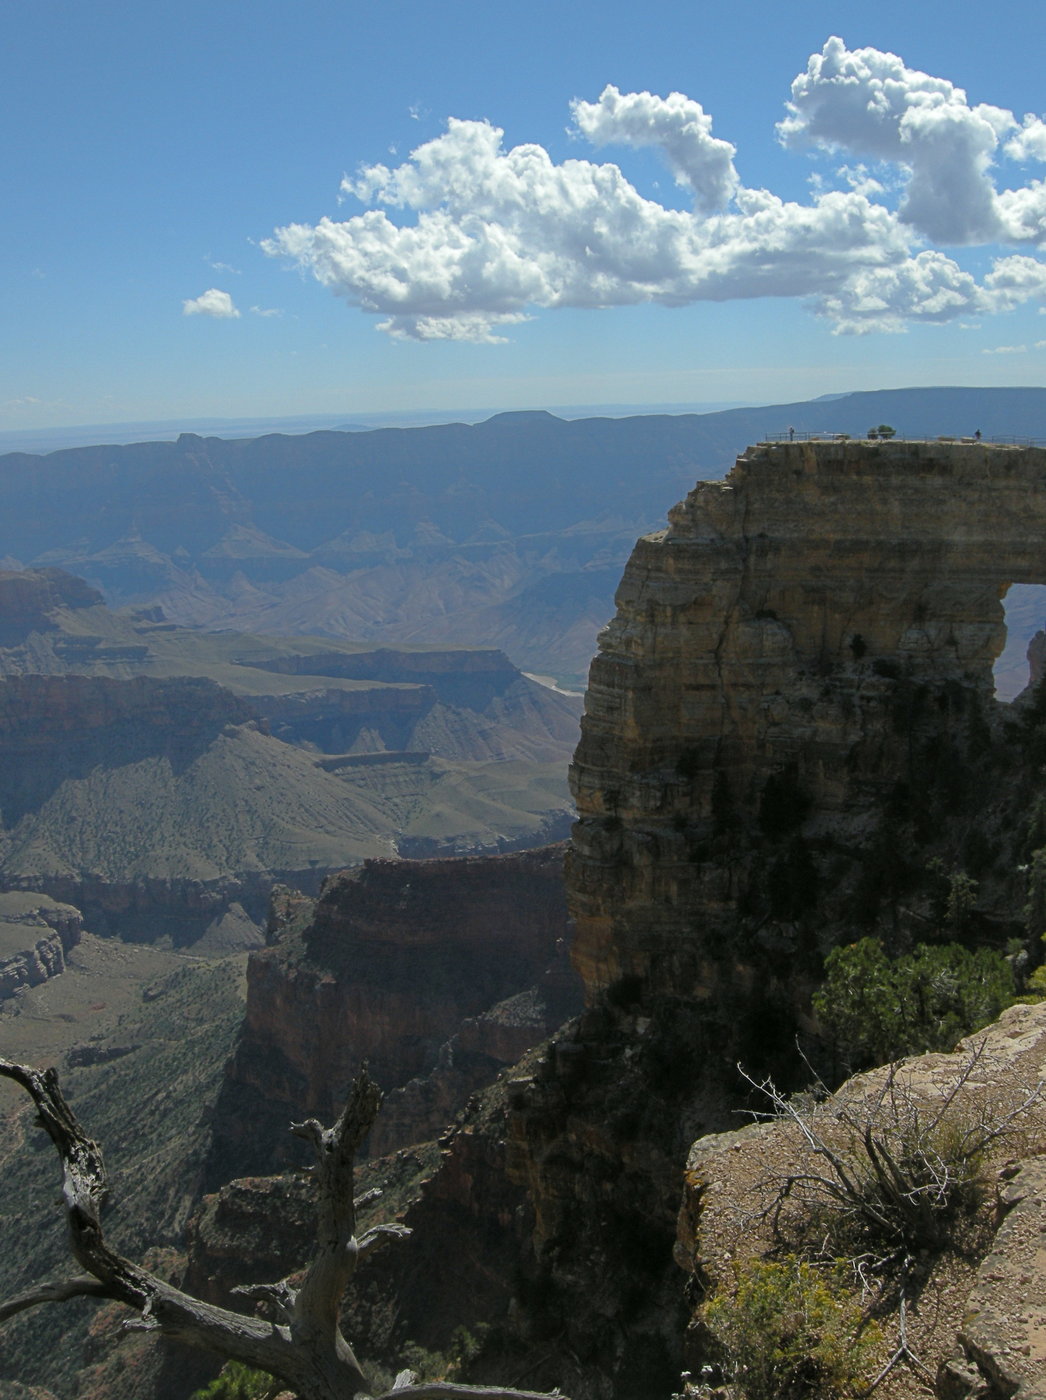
[[485, 236], [211, 303]]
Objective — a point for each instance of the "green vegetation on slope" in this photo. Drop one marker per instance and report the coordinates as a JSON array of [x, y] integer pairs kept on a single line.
[[876, 1008], [149, 1107], [136, 753]]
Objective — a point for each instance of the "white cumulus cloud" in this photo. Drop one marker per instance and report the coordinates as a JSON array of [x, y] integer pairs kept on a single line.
[[464, 238], [869, 103], [679, 127], [1012, 281], [210, 303], [1030, 141]]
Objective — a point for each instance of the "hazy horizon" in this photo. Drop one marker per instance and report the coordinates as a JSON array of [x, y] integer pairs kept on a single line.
[[94, 434]]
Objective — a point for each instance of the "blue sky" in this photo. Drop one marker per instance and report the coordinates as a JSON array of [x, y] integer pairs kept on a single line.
[[212, 209]]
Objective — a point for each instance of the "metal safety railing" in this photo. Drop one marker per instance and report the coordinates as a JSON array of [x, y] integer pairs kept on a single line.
[[999, 439]]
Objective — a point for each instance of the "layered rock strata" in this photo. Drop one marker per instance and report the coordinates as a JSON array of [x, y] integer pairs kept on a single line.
[[151, 804], [28, 601], [437, 973], [762, 647], [36, 935], [790, 733]]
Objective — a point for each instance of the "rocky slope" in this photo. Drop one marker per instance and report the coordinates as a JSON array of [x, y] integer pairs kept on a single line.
[[464, 704], [437, 973], [163, 779], [159, 807]]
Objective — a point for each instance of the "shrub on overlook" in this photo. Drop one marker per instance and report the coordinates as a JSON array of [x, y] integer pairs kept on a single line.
[[876, 1008]]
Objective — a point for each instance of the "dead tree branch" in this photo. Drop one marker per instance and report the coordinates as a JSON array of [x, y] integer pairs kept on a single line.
[[305, 1348], [59, 1292]]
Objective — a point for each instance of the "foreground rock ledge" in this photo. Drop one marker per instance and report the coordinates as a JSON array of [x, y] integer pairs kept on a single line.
[[982, 1330]]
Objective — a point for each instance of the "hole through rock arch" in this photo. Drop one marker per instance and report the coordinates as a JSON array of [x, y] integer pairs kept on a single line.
[[1025, 608]]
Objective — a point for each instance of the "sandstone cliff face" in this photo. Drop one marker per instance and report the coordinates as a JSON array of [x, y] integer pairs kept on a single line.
[[96, 714], [438, 973], [36, 934], [790, 719], [763, 647]]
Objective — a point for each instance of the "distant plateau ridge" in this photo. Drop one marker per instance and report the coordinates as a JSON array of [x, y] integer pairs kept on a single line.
[[511, 533]]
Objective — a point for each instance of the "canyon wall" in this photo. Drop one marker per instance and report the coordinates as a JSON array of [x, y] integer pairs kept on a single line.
[[36, 935], [161, 807], [768, 651], [437, 973], [113, 727], [790, 741], [28, 601]]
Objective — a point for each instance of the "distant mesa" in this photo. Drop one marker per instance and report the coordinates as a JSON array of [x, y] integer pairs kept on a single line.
[[523, 417]]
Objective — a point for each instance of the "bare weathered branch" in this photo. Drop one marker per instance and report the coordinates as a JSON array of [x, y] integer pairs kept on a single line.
[[278, 1296], [314, 1324], [59, 1292], [378, 1235], [903, 1352], [305, 1350], [312, 1130]]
